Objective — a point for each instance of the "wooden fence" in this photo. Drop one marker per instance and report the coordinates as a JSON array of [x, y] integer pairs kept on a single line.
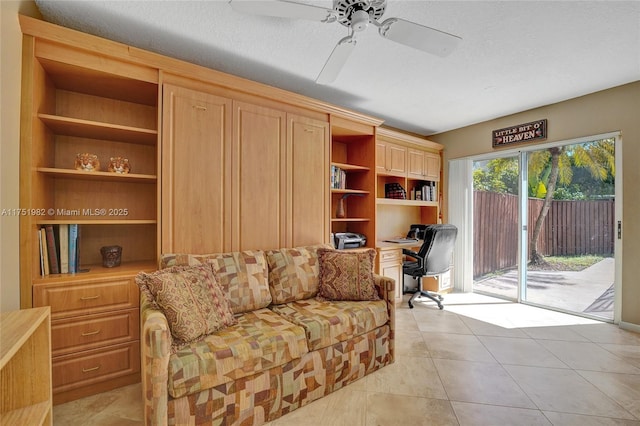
[[570, 228]]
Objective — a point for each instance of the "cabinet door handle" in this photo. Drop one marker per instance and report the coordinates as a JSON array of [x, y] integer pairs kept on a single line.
[[89, 297], [90, 333], [200, 107], [87, 370]]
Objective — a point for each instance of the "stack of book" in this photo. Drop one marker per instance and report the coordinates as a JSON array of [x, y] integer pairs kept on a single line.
[[425, 191], [59, 249], [394, 190], [338, 178]]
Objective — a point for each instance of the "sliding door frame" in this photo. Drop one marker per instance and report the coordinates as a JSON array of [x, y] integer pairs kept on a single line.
[[460, 204]]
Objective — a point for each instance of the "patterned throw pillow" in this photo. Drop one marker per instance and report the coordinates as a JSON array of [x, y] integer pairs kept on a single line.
[[242, 275], [190, 298], [346, 275], [293, 273]]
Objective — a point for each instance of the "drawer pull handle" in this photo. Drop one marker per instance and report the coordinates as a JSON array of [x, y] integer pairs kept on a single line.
[[90, 333], [89, 297], [87, 370]]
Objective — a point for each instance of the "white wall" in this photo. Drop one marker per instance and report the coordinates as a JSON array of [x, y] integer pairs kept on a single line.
[[10, 78]]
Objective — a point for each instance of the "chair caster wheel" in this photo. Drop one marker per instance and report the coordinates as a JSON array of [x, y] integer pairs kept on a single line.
[[410, 305], [441, 298], [440, 306]]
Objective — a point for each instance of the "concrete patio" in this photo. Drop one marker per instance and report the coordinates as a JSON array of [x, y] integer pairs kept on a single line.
[[588, 291]]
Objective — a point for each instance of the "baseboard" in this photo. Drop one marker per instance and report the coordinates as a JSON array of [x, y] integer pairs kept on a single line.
[[629, 326]]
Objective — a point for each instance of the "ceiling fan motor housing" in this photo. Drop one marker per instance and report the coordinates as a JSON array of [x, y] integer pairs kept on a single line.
[[357, 13]]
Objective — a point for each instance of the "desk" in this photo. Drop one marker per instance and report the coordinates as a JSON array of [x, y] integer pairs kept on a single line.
[[390, 261], [390, 265], [25, 367]]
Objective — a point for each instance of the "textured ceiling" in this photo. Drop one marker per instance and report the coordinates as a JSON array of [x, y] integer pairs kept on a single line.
[[514, 56]]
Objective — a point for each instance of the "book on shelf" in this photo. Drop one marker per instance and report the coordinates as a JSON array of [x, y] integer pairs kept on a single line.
[[63, 243], [59, 247], [425, 191], [394, 190], [338, 178], [45, 251], [73, 248], [41, 245], [54, 265]]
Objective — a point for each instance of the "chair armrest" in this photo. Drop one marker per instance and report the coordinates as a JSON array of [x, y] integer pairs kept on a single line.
[[414, 255], [155, 349], [387, 291], [411, 253]]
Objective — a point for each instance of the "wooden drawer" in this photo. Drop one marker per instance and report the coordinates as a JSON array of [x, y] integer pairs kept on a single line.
[[93, 331], [91, 367], [394, 255], [69, 299]]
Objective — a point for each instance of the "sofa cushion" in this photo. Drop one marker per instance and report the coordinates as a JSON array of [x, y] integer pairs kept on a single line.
[[347, 275], [243, 276], [293, 273], [190, 298], [260, 340], [329, 322]]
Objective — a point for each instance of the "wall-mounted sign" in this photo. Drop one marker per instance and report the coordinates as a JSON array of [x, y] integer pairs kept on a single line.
[[520, 133]]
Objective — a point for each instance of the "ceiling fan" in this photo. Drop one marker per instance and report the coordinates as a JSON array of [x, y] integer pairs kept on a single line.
[[356, 15]]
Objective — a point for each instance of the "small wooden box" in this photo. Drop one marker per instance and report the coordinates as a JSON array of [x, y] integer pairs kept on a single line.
[[440, 284]]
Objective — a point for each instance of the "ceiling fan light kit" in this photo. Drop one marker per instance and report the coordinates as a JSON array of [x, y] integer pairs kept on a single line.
[[355, 15]]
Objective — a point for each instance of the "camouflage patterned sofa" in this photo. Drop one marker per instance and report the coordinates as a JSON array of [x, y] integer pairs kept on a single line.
[[288, 347]]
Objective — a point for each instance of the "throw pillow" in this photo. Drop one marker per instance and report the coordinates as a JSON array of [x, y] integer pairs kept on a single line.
[[293, 273], [346, 275], [191, 299], [242, 275]]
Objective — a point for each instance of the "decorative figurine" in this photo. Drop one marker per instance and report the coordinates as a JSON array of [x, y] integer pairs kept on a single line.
[[119, 165], [87, 162], [111, 256]]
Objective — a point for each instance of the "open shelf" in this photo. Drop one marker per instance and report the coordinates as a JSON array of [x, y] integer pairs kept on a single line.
[[108, 79], [397, 202], [95, 270], [348, 191], [103, 176], [98, 222], [351, 167], [96, 130]]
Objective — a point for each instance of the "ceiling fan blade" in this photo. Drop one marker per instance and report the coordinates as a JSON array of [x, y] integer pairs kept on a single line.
[[418, 36], [282, 9], [336, 60]]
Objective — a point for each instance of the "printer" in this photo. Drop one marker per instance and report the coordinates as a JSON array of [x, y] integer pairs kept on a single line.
[[347, 240]]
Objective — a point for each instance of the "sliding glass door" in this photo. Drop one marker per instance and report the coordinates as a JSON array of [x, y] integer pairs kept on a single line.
[[571, 228], [544, 226], [495, 226]]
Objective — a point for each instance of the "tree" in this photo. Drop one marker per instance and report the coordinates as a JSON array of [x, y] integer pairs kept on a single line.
[[597, 157], [497, 175]]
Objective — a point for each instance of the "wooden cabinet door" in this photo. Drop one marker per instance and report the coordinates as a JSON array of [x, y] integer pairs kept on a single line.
[[432, 166], [391, 159], [308, 181], [415, 160], [397, 159], [258, 177], [390, 266], [196, 135], [381, 157]]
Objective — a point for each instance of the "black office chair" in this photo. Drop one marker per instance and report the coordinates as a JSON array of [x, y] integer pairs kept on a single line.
[[433, 258]]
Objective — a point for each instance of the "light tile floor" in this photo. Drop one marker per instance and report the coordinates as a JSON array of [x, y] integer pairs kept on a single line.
[[480, 361]]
